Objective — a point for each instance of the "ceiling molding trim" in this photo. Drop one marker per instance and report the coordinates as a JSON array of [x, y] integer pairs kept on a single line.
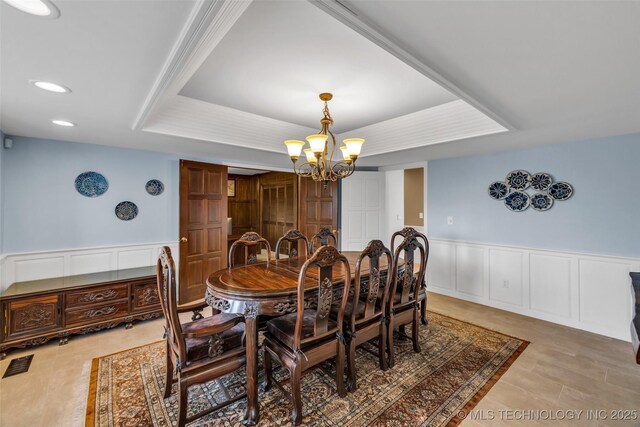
[[341, 11], [195, 119], [207, 24], [452, 121]]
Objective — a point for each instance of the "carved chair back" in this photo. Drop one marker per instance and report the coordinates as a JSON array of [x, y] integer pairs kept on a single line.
[[324, 260], [250, 241], [294, 238], [406, 232], [370, 286], [407, 282], [167, 290], [325, 235]]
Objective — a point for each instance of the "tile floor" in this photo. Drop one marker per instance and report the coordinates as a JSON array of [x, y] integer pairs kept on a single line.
[[563, 370]]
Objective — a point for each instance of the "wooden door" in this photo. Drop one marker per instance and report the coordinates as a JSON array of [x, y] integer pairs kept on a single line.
[[278, 200], [203, 226], [318, 206]]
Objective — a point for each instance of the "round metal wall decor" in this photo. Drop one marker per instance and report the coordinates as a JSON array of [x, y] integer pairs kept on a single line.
[[512, 191], [498, 190], [518, 179], [560, 191], [517, 201], [126, 211], [541, 202], [541, 181], [91, 184], [155, 187]]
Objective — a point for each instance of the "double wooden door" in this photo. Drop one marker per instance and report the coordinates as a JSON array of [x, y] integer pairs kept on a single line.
[[203, 218]]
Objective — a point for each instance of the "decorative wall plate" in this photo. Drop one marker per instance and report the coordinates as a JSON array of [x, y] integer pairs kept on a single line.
[[541, 202], [155, 187], [498, 190], [518, 179], [560, 191], [541, 181], [517, 201], [91, 184], [126, 211]]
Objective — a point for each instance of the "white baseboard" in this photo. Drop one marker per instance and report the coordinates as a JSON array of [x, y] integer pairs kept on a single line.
[[60, 263], [583, 291]]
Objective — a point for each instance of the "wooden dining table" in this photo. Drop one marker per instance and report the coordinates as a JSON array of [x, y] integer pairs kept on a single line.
[[267, 290]]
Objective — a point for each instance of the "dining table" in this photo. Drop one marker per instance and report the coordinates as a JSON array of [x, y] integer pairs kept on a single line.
[[269, 290]]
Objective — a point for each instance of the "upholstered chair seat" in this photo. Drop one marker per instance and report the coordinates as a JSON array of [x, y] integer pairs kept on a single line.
[[283, 328]]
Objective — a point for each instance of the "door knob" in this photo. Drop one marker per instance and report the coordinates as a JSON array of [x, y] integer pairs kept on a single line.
[[183, 240]]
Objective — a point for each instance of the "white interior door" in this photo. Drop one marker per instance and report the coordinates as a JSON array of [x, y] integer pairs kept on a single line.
[[363, 216]]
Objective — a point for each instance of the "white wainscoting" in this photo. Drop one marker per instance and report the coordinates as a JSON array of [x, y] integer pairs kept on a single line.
[[43, 265], [589, 292]]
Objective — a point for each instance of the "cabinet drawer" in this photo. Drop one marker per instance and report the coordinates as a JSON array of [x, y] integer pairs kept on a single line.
[[144, 295], [97, 312], [32, 315], [96, 295]]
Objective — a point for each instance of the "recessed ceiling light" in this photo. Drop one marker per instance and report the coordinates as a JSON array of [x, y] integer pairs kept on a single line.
[[63, 123], [51, 87], [42, 8]]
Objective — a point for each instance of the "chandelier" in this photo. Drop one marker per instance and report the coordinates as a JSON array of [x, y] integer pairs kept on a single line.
[[319, 163]]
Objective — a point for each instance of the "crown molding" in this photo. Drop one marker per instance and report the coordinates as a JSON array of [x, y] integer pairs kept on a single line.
[[208, 23], [192, 118], [452, 121], [340, 11]]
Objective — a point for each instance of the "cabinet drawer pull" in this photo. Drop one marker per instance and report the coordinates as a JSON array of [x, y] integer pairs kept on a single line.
[[91, 314], [98, 296]]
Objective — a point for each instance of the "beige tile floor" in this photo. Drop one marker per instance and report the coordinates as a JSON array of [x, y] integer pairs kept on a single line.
[[562, 370]]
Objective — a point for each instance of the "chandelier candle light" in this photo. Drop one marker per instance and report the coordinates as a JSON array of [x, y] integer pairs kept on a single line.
[[319, 163]]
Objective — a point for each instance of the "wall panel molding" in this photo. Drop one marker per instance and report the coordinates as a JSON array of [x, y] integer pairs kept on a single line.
[[584, 291], [41, 265]]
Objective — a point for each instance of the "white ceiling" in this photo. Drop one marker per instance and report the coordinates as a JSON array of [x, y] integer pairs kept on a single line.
[[147, 75], [279, 56]]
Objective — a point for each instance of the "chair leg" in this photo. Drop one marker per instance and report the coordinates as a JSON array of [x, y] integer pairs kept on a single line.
[[296, 377], [382, 346], [414, 330], [268, 369], [352, 384], [390, 343], [182, 402], [340, 370], [403, 332], [169, 375], [423, 311]]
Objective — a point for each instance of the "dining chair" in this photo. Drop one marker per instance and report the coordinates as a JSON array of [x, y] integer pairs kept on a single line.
[[199, 351], [365, 313], [323, 235], [294, 238], [404, 233], [404, 295], [310, 336], [250, 241]]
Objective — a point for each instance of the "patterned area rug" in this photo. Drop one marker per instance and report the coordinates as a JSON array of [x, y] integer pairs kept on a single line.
[[458, 365]]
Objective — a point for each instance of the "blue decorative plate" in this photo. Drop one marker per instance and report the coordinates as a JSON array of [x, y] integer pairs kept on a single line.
[[126, 211], [517, 201], [498, 190], [91, 184], [155, 187], [518, 179], [560, 190], [541, 181], [541, 202]]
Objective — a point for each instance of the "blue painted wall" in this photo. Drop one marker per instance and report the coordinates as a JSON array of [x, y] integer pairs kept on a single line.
[[43, 211], [602, 217]]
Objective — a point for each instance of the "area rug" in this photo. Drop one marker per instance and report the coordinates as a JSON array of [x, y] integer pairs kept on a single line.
[[458, 365]]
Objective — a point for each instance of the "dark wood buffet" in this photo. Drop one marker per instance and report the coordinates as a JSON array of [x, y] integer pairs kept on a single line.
[[37, 311]]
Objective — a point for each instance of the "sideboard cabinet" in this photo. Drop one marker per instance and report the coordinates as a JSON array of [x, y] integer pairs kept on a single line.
[[37, 311]]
